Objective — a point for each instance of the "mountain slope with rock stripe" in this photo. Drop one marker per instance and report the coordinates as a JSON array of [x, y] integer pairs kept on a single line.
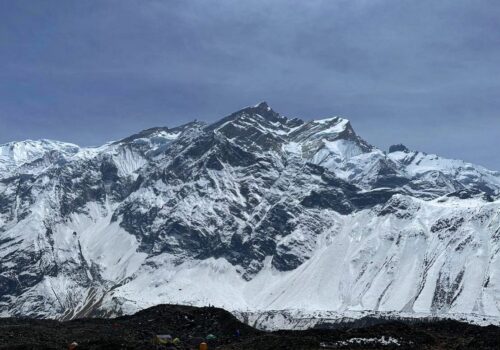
[[256, 212]]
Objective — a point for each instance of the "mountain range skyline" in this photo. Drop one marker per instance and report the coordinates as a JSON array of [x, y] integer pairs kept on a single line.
[[389, 144], [267, 212]]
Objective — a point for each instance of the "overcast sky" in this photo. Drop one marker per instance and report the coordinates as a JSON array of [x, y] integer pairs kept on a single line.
[[423, 73]]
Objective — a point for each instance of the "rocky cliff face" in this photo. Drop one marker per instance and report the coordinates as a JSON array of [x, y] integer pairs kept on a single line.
[[254, 212]]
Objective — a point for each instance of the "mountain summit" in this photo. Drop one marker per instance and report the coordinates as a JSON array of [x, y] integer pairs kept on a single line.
[[255, 212]]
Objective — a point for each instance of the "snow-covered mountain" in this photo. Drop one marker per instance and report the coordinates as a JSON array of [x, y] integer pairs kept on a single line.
[[257, 213]]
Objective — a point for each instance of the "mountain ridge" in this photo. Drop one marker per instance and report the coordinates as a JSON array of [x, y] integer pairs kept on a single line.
[[267, 212]]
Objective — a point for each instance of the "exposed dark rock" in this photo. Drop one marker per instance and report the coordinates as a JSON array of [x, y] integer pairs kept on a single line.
[[398, 148], [332, 199]]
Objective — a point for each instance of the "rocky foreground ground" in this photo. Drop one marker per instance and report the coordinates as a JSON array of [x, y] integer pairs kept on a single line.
[[192, 324]]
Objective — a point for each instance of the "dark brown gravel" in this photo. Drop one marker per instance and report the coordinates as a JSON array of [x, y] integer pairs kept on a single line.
[[192, 324]]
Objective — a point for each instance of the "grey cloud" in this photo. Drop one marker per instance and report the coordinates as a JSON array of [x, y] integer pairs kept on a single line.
[[418, 72]]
